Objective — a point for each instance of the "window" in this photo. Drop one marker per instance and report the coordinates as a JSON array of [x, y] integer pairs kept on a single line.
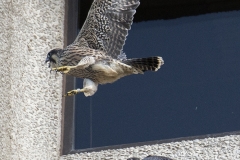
[[196, 92]]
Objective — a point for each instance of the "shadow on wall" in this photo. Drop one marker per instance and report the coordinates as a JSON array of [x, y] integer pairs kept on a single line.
[[151, 158]]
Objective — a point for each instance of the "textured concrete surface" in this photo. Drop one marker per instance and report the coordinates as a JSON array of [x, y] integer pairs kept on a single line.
[[30, 101], [220, 148]]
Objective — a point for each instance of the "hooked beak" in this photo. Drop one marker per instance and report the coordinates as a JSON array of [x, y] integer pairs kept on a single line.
[[47, 60]]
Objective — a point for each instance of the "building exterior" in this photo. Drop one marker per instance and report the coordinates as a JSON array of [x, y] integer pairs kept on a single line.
[[31, 98]]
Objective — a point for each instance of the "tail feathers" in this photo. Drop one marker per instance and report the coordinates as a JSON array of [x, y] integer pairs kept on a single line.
[[145, 64]]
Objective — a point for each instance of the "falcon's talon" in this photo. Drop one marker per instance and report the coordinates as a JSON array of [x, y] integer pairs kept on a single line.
[[71, 93]]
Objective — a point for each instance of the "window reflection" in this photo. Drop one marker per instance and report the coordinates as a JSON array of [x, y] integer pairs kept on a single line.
[[196, 92]]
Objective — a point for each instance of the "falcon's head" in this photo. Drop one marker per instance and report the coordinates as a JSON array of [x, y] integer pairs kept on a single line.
[[53, 57]]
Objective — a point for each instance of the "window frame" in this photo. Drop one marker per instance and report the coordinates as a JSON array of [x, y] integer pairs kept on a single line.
[[70, 32], [71, 24]]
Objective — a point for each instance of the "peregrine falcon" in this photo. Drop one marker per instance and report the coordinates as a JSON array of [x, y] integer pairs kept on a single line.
[[97, 54]]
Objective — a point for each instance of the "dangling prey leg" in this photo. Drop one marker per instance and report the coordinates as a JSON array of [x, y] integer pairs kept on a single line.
[[63, 69], [83, 63]]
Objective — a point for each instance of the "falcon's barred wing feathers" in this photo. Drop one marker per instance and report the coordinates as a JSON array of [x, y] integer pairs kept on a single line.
[[107, 25]]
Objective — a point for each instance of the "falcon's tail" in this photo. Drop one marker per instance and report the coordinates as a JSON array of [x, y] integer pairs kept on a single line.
[[145, 64]]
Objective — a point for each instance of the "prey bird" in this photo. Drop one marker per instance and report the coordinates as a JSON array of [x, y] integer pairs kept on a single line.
[[97, 54]]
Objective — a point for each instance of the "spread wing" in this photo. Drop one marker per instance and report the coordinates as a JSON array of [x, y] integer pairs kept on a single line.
[[107, 25]]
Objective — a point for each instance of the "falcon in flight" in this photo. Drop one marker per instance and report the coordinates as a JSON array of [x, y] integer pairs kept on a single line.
[[96, 55]]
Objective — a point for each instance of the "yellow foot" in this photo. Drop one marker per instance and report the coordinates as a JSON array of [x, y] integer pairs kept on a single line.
[[72, 93], [64, 69]]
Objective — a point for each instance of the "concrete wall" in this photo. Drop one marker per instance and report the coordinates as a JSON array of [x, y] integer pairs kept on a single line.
[[30, 101], [221, 148]]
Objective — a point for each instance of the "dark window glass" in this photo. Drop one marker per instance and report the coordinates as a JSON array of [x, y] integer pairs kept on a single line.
[[196, 92]]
